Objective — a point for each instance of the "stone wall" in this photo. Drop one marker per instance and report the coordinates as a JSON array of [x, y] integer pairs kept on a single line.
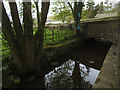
[[118, 53], [107, 29], [99, 28], [104, 30], [102, 15], [108, 77]]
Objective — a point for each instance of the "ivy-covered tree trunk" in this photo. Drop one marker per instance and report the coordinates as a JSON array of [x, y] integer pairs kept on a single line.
[[75, 10], [26, 47]]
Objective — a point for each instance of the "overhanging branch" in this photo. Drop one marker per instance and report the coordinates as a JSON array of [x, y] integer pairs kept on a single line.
[[8, 32], [71, 7], [39, 36], [28, 33], [17, 24]]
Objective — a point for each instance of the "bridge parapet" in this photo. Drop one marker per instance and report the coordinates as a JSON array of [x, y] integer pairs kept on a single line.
[[99, 28], [103, 29]]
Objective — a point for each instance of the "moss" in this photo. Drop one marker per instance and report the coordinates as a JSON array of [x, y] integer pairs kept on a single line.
[[58, 45], [52, 52]]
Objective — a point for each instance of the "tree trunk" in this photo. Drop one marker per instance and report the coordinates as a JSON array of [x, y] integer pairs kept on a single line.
[[77, 8], [28, 35], [9, 34], [77, 20], [25, 47], [39, 36]]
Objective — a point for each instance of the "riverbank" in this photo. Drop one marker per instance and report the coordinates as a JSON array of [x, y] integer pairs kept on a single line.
[[50, 55], [108, 77]]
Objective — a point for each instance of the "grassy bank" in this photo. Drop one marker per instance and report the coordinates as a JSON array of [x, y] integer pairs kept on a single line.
[[51, 37]]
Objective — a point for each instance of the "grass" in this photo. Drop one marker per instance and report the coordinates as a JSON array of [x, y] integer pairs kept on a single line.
[[59, 37]]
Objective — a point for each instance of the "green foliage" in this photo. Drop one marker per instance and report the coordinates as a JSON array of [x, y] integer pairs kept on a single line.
[[5, 48], [101, 8], [6, 69], [63, 36], [91, 9], [33, 8], [6, 52], [84, 14], [21, 9], [62, 12], [108, 6], [114, 9], [119, 8], [90, 5]]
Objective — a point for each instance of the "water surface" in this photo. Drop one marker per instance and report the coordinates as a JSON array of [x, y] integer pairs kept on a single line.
[[71, 74], [76, 69], [81, 67]]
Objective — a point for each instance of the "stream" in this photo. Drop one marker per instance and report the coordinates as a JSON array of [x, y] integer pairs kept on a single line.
[[76, 69], [82, 67]]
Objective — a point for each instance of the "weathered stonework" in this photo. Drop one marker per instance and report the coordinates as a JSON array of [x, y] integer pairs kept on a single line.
[[108, 77], [105, 30], [118, 53]]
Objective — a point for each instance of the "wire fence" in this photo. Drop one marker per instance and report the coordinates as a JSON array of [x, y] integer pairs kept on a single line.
[[52, 37]]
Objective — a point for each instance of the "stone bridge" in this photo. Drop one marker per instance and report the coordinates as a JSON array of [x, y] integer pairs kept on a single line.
[[102, 28], [106, 29]]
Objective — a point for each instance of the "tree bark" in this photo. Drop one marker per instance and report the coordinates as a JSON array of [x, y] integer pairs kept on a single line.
[[17, 27], [8, 32], [77, 8], [39, 36], [28, 35], [22, 42]]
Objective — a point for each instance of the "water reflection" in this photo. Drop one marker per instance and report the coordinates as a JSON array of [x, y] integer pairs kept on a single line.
[[71, 74], [60, 76], [80, 71], [83, 67]]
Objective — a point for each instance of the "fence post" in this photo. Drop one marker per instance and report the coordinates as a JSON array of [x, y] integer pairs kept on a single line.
[[65, 34], [45, 34], [58, 35], [52, 36], [45, 37]]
